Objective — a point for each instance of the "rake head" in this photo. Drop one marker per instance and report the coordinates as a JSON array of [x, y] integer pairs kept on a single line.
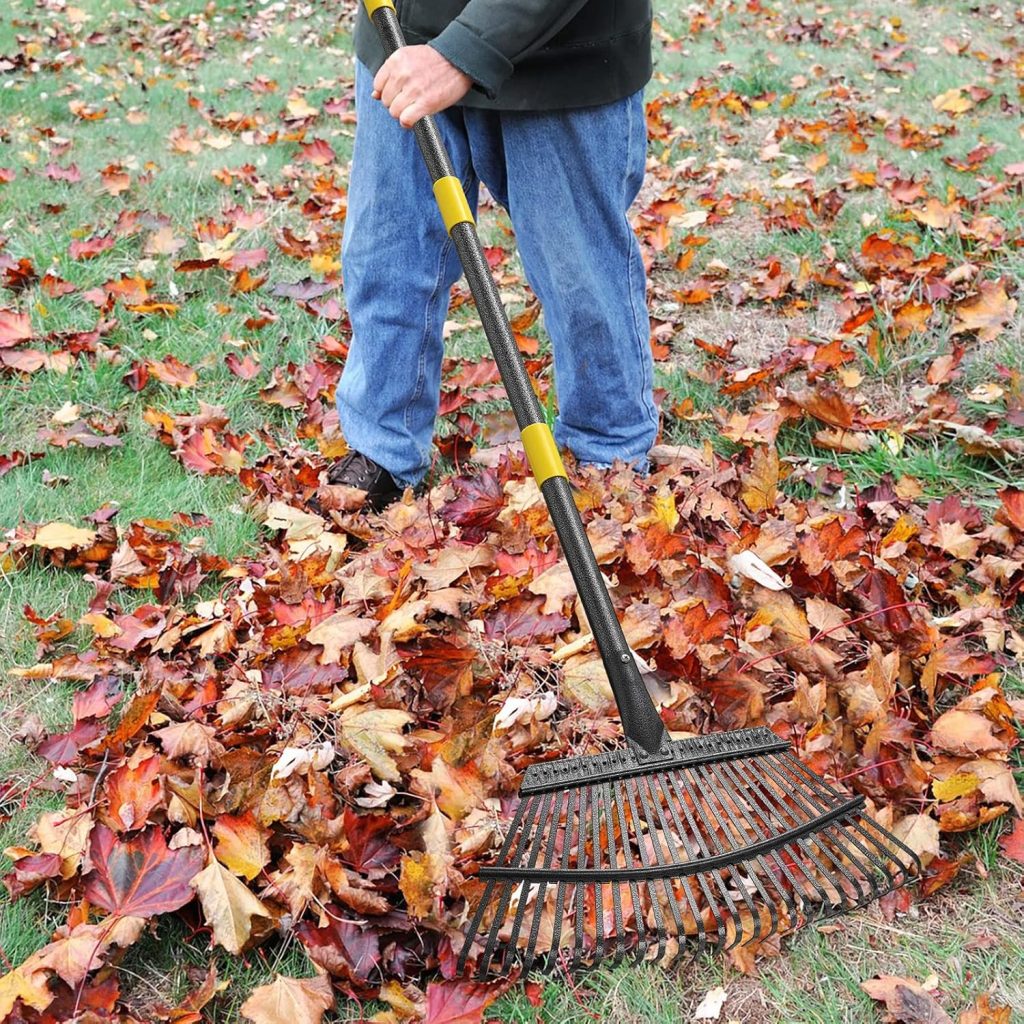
[[722, 840]]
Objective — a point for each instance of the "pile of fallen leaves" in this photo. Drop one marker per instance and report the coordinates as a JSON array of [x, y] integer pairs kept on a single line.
[[331, 745]]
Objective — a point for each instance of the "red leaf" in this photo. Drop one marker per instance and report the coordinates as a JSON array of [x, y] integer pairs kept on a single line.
[[141, 877], [479, 502], [90, 248], [1013, 506], [14, 328], [1012, 843], [30, 871], [459, 1002], [342, 947], [318, 152], [63, 748]]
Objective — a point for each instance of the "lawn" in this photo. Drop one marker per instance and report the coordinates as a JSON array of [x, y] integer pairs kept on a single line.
[[832, 222]]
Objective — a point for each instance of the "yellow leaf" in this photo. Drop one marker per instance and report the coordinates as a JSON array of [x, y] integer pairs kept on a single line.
[[956, 785], [241, 844], [423, 882], [27, 983], [663, 511], [324, 263], [374, 734], [953, 101], [290, 1001], [63, 536], [228, 906]]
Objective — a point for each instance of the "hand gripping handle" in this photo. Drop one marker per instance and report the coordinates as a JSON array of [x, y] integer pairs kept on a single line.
[[640, 720]]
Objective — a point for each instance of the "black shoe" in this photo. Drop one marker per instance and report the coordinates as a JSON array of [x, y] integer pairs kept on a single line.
[[361, 472]]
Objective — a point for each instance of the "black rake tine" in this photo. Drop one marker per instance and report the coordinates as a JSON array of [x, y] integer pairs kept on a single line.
[[579, 928], [645, 860], [567, 846], [620, 927], [811, 812], [801, 794], [815, 780], [839, 839], [761, 806], [734, 825], [847, 837], [489, 888], [506, 892], [538, 905], [759, 860], [703, 850], [596, 815], [524, 892], [719, 848], [651, 804], [767, 801]]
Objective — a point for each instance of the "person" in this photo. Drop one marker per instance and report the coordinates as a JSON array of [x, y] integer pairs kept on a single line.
[[542, 101]]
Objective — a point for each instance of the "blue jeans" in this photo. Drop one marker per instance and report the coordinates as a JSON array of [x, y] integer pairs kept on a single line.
[[567, 179]]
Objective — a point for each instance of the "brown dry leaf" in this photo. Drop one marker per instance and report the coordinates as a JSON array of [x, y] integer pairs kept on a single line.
[[953, 101], [453, 562], [555, 585], [339, 632], [374, 734], [290, 1001], [987, 312], [965, 732], [65, 833], [985, 1011], [228, 906], [761, 483], [585, 681], [921, 833], [907, 1000]]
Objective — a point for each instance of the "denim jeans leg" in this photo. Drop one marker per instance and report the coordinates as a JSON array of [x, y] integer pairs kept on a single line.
[[571, 178], [398, 265]]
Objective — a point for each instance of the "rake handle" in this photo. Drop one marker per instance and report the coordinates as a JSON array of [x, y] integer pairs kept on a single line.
[[640, 720]]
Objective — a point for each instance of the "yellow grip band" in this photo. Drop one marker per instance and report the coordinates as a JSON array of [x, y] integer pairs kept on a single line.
[[451, 201], [376, 5], [542, 452]]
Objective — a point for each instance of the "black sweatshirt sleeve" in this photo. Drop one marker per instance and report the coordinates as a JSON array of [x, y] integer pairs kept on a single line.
[[489, 36]]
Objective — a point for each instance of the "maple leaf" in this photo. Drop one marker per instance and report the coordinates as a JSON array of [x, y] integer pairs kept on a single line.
[[228, 905], [139, 877], [342, 947], [290, 1001], [459, 1002]]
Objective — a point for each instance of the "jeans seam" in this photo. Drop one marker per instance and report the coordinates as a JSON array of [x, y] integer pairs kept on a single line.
[[648, 373]]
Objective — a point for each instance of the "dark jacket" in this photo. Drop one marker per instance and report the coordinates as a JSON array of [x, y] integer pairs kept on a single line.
[[529, 54]]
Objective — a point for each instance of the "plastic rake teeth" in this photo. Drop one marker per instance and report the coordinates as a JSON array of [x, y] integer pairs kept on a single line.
[[726, 840]]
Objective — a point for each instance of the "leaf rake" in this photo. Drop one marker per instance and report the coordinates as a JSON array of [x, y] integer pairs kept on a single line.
[[720, 840]]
